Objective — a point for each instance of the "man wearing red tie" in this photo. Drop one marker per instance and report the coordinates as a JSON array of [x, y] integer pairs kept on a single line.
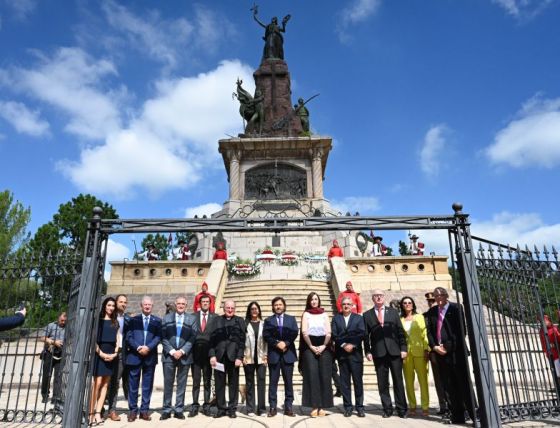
[[446, 337], [201, 368], [385, 345]]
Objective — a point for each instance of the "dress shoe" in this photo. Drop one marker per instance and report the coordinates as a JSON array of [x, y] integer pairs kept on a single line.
[[179, 415], [145, 416], [347, 413], [402, 415], [220, 414], [441, 412], [131, 417], [387, 414], [205, 412], [45, 399], [272, 412], [165, 416], [361, 413], [232, 415], [193, 413], [289, 412], [338, 393], [113, 416]]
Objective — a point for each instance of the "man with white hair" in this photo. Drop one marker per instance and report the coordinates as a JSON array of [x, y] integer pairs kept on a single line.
[[142, 337], [227, 346]]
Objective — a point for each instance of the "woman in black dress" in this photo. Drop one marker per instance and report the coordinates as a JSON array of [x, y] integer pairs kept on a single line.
[[104, 362]]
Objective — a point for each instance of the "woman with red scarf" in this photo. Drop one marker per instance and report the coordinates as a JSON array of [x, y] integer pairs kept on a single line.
[[316, 357], [554, 343]]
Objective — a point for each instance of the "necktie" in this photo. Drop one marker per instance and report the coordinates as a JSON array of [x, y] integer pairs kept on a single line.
[[179, 324], [146, 322], [380, 316], [203, 324], [280, 325], [439, 324]]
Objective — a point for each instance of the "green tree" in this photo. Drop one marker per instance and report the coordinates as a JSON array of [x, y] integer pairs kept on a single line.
[[14, 218], [403, 249]]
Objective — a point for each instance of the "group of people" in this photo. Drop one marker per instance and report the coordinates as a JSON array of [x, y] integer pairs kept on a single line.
[[213, 346], [180, 252]]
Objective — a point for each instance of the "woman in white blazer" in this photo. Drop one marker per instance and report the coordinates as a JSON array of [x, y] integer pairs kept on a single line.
[[255, 360]]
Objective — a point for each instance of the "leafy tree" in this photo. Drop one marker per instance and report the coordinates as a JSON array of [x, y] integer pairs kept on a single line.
[[14, 218], [403, 249], [72, 218], [389, 251]]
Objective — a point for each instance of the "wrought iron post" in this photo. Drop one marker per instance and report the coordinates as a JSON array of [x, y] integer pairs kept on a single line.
[[76, 390], [489, 411]]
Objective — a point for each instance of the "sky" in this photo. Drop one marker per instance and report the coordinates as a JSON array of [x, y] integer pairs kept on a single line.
[[427, 103]]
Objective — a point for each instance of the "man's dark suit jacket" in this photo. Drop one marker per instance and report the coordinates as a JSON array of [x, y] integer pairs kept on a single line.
[[14, 321], [227, 339], [272, 336], [388, 339], [353, 333], [201, 344], [452, 330], [169, 338], [135, 339]]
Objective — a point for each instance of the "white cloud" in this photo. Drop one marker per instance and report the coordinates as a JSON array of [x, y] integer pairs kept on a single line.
[[154, 36], [432, 149], [504, 227], [358, 11], [170, 143], [25, 121], [21, 8], [532, 138], [205, 209], [71, 82], [524, 9], [361, 204], [115, 252]]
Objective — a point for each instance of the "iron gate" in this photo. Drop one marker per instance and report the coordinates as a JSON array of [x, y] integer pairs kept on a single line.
[[520, 290], [45, 284]]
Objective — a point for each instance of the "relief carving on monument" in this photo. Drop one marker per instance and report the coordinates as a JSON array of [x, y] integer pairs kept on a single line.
[[275, 181]]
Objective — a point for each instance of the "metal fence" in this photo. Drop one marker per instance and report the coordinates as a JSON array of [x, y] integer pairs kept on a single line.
[[43, 282], [520, 291]]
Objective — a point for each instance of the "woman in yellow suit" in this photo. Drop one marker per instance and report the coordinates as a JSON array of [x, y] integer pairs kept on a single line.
[[418, 354]]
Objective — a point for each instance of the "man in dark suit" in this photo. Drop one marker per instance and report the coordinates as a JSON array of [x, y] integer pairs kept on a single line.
[[201, 368], [280, 332], [177, 337], [121, 373], [348, 333], [385, 344], [227, 344], [142, 338], [7, 323], [446, 337]]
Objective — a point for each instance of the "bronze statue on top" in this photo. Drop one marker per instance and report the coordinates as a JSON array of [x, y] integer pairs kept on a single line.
[[273, 39], [251, 109]]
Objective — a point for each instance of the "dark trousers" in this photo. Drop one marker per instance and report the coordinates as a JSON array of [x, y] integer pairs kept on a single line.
[[438, 382], [174, 372], [456, 385], [51, 365], [335, 376], [250, 370], [120, 373], [231, 377], [287, 371], [201, 371], [383, 366], [134, 374], [352, 370]]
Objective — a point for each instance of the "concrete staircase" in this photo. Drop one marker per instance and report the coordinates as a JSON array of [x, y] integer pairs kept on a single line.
[[295, 292]]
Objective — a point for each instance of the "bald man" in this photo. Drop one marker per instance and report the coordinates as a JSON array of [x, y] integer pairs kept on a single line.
[[227, 345]]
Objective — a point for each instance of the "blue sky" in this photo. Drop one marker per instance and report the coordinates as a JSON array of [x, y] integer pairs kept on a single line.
[[427, 103]]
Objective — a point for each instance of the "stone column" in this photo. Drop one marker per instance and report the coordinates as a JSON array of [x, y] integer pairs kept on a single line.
[[234, 179], [317, 172]]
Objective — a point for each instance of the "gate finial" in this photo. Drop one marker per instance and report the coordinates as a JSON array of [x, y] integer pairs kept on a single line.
[[458, 208]]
